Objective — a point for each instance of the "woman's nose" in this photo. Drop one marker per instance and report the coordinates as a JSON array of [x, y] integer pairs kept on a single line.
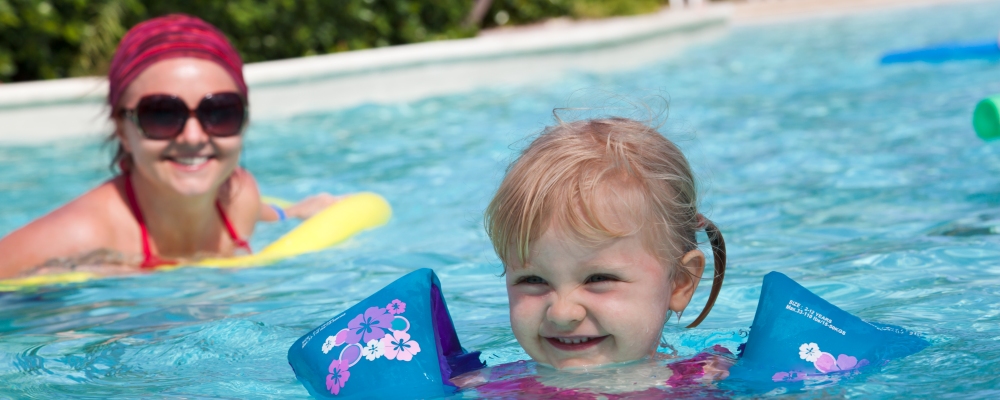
[[566, 312], [193, 132]]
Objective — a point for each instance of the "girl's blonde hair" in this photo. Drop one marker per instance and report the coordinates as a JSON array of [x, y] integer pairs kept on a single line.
[[574, 173]]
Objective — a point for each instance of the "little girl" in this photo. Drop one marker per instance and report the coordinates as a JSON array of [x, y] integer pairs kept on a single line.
[[595, 224]]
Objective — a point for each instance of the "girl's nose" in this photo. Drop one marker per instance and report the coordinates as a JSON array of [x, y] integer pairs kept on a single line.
[[565, 312]]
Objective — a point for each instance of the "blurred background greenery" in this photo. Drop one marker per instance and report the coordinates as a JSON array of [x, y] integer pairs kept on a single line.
[[46, 39]]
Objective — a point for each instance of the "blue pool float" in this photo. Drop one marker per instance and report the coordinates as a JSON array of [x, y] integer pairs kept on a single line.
[[946, 52], [797, 336], [398, 343], [401, 343]]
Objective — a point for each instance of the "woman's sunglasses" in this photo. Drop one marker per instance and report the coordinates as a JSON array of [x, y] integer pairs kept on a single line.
[[163, 116]]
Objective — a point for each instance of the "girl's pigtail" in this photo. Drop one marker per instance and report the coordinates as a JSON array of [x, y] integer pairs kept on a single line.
[[719, 254]]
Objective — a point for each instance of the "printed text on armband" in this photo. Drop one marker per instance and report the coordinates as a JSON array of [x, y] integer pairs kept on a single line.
[[813, 315], [317, 330]]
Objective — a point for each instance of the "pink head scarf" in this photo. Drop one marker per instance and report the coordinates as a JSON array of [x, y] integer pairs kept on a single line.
[[166, 37]]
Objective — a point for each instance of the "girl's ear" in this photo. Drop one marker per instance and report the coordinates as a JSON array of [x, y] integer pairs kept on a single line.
[[686, 280]]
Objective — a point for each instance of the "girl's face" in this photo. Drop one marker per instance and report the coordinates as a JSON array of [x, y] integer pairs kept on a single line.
[[192, 163], [574, 304]]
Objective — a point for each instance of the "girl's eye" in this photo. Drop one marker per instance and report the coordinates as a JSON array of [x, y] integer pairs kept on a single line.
[[531, 280], [598, 278]]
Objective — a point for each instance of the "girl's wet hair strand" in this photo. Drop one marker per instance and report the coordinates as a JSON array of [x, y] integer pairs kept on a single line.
[[719, 256]]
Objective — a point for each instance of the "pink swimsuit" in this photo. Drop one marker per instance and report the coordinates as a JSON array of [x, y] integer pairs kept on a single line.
[[519, 380]]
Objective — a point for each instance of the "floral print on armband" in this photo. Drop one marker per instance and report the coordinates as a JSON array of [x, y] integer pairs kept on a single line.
[[398, 345], [396, 307], [809, 352], [372, 350], [377, 333], [825, 363], [337, 377], [334, 341], [373, 324]]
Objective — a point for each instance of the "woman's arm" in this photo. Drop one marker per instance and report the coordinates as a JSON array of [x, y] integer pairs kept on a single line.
[[302, 210], [247, 198]]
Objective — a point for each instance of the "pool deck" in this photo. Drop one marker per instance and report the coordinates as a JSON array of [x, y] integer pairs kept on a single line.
[[773, 11], [496, 58]]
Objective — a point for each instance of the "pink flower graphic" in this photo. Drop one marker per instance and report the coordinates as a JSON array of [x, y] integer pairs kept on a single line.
[[398, 346], [338, 376], [396, 307], [370, 325], [825, 363], [792, 376]]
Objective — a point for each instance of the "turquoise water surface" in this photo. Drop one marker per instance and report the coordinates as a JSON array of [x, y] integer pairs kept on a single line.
[[863, 182]]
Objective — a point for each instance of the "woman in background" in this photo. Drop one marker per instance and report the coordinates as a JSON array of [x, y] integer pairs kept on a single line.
[[179, 105]]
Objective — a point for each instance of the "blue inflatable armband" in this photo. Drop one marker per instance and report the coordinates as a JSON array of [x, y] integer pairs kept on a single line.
[[400, 342], [796, 335]]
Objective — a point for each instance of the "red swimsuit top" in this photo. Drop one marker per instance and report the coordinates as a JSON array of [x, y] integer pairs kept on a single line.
[[150, 260]]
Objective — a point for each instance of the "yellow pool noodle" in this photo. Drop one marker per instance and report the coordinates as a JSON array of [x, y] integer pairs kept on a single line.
[[10, 285], [333, 225], [336, 223]]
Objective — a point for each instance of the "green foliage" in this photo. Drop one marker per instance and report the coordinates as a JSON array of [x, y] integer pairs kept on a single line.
[[40, 39], [44, 39], [275, 29], [606, 8], [507, 12]]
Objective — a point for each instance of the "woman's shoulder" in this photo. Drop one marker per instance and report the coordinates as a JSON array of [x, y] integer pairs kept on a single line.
[[93, 219], [243, 202], [244, 185], [89, 222]]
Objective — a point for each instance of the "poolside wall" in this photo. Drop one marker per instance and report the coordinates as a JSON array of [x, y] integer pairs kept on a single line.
[[38, 112]]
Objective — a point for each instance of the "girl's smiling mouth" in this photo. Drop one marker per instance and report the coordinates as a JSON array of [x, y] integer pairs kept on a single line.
[[575, 343]]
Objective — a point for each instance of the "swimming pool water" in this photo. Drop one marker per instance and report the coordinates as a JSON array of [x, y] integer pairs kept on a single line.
[[863, 182]]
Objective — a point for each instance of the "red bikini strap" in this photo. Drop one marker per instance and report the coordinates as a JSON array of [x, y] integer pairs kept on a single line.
[[148, 259], [237, 240], [137, 213]]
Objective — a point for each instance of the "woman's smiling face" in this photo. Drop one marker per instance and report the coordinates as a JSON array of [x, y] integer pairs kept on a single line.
[[576, 304], [192, 163]]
